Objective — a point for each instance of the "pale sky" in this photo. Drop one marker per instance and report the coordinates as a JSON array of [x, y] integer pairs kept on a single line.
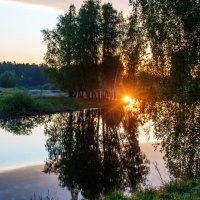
[[21, 22]]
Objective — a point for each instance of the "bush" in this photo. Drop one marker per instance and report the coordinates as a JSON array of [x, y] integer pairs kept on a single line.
[[116, 195], [174, 190], [23, 103], [18, 102], [146, 194]]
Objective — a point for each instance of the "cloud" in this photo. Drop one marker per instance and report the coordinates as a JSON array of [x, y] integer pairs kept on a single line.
[[58, 4], [121, 5]]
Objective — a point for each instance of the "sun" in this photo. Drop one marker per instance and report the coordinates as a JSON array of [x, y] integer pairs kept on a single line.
[[127, 99], [131, 103]]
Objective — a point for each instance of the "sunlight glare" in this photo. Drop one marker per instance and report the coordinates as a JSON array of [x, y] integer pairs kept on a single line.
[[131, 103], [127, 99]]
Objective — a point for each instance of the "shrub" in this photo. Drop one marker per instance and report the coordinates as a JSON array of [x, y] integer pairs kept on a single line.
[[146, 194], [23, 103], [18, 102], [174, 190], [116, 195]]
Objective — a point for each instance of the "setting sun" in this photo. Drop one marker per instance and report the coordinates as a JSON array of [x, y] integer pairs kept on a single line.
[[130, 102], [127, 99]]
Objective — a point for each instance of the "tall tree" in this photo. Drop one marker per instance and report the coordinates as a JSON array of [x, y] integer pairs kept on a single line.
[[61, 41], [61, 53], [89, 19], [134, 46], [172, 30], [112, 31], [79, 44]]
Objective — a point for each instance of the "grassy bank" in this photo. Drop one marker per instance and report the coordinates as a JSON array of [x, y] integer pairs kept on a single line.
[[175, 190], [15, 101]]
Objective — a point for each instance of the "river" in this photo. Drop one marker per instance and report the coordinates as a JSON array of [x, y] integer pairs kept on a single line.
[[83, 154]]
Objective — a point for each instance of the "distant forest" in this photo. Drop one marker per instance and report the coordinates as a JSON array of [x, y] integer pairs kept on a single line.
[[25, 75]]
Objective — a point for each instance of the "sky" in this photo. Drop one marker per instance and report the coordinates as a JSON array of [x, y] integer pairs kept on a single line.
[[21, 22]]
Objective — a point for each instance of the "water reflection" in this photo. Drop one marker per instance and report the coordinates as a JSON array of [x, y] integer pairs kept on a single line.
[[177, 127], [92, 153], [96, 151], [22, 125]]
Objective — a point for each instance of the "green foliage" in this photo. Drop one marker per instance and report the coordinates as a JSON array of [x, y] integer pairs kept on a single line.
[[185, 188], [66, 77], [86, 51], [171, 30], [175, 190], [8, 79], [21, 125], [134, 46], [74, 51], [18, 102], [111, 66], [22, 103], [146, 194], [62, 41], [116, 195], [15, 101], [22, 75]]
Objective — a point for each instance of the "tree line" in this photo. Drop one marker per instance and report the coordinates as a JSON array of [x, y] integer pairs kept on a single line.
[[26, 75], [97, 48]]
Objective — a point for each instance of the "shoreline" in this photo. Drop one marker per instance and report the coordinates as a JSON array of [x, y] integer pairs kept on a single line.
[[59, 104], [14, 168]]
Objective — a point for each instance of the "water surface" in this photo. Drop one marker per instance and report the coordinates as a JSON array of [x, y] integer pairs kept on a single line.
[[87, 153]]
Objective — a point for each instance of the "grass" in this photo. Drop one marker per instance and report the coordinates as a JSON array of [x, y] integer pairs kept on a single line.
[[175, 190], [16, 101], [21, 102]]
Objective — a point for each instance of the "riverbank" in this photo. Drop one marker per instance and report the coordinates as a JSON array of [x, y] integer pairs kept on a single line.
[[174, 190], [21, 103]]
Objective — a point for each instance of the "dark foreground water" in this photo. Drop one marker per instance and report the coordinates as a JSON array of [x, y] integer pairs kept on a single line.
[[81, 155]]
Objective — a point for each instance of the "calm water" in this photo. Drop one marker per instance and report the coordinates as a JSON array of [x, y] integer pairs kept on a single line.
[[84, 154]]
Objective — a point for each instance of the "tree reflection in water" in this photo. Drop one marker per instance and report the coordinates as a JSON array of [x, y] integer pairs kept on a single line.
[[96, 151], [23, 125], [177, 127], [92, 152]]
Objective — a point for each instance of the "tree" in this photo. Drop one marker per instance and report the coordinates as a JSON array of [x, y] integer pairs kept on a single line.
[[134, 47], [73, 49], [8, 79], [25, 74], [111, 21], [61, 41], [61, 53], [177, 128], [89, 19], [172, 29], [112, 31]]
